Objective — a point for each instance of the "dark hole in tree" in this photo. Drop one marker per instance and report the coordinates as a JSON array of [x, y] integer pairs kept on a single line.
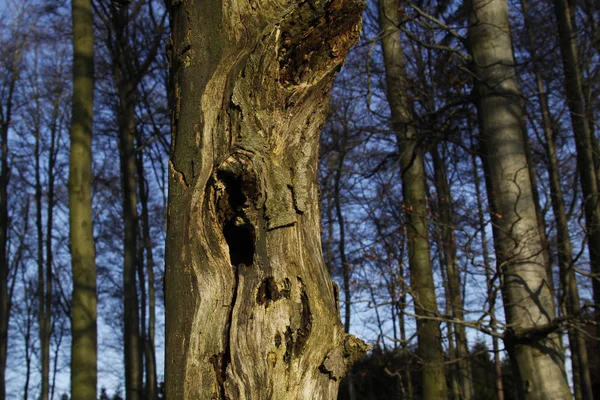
[[241, 243], [238, 233]]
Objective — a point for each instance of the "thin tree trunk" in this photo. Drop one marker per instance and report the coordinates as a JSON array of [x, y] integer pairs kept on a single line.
[[151, 388], [529, 309], [448, 224], [413, 188], [342, 241], [570, 294], [491, 292], [43, 320], [251, 311], [584, 146], [452, 354], [133, 346], [27, 340], [49, 229], [342, 249], [4, 178], [84, 337], [128, 72]]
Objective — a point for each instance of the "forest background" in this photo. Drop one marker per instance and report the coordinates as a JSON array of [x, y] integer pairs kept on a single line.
[[366, 242]]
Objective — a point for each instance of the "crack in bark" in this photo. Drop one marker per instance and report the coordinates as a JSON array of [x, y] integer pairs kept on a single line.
[[269, 291], [305, 328]]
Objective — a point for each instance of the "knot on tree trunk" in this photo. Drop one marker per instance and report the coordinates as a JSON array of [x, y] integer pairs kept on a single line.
[[340, 359]]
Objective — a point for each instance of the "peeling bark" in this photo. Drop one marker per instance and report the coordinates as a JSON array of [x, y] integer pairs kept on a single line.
[[251, 312]]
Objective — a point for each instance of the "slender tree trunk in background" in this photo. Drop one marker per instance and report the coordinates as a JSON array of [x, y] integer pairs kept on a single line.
[[448, 224], [151, 384], [126, 90], [342, 241], [403, 339], [57, 351], [584, 146], [454, 370], [5, 121], [52, 150], [535, 354], [43, 318], [128, 71], [491, 293], [132, 340], [413, 188], [342, 249], [142, 293], [251, 311], [84, 339], [569, 302], [28, 329]]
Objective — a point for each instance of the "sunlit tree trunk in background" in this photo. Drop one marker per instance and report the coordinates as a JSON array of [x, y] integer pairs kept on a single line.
[[583, 143], [84, 339], [415, 206], [535, 354], [251, 311], [569, 299]]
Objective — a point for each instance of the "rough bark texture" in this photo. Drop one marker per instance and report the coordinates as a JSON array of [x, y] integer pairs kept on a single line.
[[251, 311], [528, 304], [415, 205], [84, 339]]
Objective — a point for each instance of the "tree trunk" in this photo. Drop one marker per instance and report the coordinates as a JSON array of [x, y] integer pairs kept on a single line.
[[151, 384], [342, 240], [535, 353], [84, 339], [251, 311], [133, 345], [52, 153], [413, 188], [43, 319], [128, 71], [448, 224], [5, 121], [583, 144], [491, 293], [569, 302]]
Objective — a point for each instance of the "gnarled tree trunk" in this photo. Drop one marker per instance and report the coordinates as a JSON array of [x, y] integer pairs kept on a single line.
[[251, 311]]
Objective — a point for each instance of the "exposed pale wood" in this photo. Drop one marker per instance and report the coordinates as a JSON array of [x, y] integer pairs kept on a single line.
[[250, 306]]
